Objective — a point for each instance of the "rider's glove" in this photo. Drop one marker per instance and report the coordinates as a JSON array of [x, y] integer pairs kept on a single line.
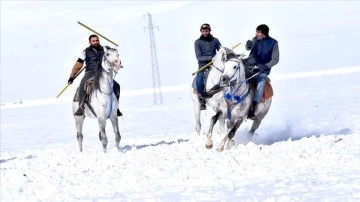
[[248, 45], [70, 81]]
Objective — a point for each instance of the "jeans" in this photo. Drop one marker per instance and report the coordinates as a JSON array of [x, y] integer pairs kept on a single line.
[[200, 82], [260, 81]]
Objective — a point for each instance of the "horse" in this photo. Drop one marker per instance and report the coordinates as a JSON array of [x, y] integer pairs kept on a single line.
[[236, 102], [102, 103], [213, 77]]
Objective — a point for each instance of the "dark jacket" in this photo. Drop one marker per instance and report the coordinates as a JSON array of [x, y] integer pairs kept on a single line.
[[205, 49], [266, 52], [92, 57]]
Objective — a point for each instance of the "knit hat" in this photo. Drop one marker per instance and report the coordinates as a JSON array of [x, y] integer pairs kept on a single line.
[[264, 29], [205, 26]]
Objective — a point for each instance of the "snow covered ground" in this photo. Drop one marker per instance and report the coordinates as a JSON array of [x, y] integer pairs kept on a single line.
[[307, 149]]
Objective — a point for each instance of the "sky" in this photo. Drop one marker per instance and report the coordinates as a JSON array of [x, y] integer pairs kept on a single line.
[[40, 51], [306, 148]]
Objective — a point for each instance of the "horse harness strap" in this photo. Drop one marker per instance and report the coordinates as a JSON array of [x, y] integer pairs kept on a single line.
[[238, 99], [222, 71]]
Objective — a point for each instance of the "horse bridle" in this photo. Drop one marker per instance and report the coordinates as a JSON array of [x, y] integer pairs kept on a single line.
[[112, 65], [222, 71], [237, 67]]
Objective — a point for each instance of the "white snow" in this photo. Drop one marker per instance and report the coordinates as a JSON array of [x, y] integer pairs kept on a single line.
[[306, 149]]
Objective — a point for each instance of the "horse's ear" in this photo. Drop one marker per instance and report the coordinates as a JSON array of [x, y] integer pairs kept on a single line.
[[107, 47]]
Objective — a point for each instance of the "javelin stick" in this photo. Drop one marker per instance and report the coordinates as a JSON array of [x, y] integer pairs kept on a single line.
[[82, 24], [208, 64], [68, 84]]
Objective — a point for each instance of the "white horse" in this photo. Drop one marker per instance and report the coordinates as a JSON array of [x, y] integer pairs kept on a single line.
[[236, 102], [213, 78], [102, 103]]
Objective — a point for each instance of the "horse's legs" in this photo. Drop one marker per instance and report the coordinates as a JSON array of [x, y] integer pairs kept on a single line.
[[228, 137], [79, 120], [254, 126], [222, 125], [115, 124], [102, 134], [209, 142], [257, 121], [196, 105]]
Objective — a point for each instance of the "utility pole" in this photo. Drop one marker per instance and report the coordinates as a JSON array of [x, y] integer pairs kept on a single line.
[[157, 94]]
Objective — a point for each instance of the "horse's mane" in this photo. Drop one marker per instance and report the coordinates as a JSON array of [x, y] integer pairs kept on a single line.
[[99, 68], [229, 51], [98, 73]]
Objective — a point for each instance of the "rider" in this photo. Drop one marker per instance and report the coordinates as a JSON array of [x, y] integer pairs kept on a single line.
[[92, 55], [205, 50], [264, 54]]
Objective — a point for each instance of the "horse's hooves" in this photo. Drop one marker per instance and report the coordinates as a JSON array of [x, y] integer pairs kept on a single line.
[[208, 146], [220, 149], [232, 143]]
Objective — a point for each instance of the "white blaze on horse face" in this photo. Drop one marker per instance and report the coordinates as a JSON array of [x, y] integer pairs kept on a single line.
[[229, 71], [112, 56]]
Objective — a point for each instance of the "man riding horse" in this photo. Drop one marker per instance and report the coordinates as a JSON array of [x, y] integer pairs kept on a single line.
[[264, 55], [205, 50], [92, 55]]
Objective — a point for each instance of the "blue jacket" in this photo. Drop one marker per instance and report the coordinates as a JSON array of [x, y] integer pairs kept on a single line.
[[92, 57], [266, 52], [205, 49]]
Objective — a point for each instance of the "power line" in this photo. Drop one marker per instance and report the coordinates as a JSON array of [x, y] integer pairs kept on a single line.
[[157, 94]]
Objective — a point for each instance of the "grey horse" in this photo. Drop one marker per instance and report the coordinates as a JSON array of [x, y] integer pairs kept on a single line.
[[213, 77], [236, 102], [102, 103]]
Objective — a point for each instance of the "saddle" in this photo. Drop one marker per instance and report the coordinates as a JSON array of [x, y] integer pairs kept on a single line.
[[268, 90], [206, 74], [89, 86]]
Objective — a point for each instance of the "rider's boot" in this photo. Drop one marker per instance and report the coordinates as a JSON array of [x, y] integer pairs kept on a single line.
[[202, 103], [251, 114], [80, 111], [118, 110]]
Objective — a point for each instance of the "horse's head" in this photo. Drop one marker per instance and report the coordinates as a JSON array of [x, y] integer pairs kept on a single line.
[[220, 58], [232, 66], [111, 60]]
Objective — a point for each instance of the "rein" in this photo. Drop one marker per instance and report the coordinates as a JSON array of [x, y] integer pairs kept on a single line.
[[234, 87]]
